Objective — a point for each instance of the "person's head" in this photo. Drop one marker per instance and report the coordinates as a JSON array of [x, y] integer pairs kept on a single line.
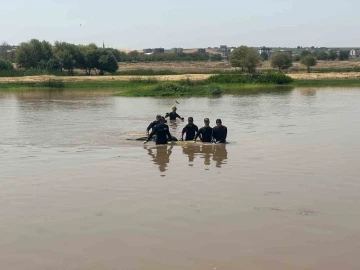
[[158, 117], [162, 120], [174, 109], [190, 120], [218, 122], [206, 122]]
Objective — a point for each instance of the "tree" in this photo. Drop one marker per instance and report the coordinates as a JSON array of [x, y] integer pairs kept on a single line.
[[107, 62], [237, 57], [70, 56], [296, 58], [33, 54], [281, 60], [305, 53], [116, 53], [53, 64], [344, 55], [244, 57], [5, 65], [332, 55], [322, 55], [67, 61], [264, 56], [308, 61], [252, 61], [216, 57], [92, 55]]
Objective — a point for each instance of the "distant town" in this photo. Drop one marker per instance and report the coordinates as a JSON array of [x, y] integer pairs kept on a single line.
[[222, 51], [225, 50]]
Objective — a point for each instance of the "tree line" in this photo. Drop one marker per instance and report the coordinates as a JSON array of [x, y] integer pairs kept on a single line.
[[248, 59], [62, 56]]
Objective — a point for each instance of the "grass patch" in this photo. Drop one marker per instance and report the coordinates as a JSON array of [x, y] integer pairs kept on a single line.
[[166, 89], [259, 78], [327, 83], [145, 72]]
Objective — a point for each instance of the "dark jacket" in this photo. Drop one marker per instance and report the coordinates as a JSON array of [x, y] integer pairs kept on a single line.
[[162, 134], [205, 134], [190, 131], [220, 134], [172, 115]]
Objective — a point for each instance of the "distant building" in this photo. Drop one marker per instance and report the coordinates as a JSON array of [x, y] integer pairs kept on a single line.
[[159, 50], [355, 53], [177, 50], [202, 51], [266, 50], [224, 50], [148, 51]]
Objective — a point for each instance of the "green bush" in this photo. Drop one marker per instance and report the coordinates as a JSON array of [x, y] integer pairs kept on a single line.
[[171, 88], [5, 65], [213, 90], [268, 78], [53, 83]]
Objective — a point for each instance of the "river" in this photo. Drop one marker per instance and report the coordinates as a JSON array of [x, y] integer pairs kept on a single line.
[[75, 193]]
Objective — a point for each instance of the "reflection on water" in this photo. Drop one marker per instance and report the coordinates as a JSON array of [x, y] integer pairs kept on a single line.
[[160, 154]]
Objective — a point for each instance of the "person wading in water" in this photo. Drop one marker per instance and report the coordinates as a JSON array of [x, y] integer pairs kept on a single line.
[[162, 133], [153, 124], [205, 133], [219, 132], [173, 115], [190, 129]]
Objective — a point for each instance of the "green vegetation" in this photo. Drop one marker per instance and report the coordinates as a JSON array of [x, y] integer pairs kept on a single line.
[[327, 83], [264, 56], [344, 55], [281, 60], [5, 65], [245, 58], [36, 55], [308, 61], [267, 78]]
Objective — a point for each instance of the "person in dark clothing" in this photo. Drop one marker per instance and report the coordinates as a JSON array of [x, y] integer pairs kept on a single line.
[[205, 133], [162, 133], [173, 115], [153, 124], [219, 132], [190, 129]]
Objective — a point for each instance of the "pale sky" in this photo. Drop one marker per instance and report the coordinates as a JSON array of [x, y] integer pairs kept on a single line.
[[138, 24]]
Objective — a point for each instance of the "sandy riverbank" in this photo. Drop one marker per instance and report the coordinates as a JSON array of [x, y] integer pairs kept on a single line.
[[298, 76]]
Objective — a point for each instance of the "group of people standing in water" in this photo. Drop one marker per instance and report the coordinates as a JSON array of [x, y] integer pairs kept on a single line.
[[206, 134]]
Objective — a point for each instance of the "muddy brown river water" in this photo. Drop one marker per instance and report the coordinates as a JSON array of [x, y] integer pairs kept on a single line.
[[283, 194]]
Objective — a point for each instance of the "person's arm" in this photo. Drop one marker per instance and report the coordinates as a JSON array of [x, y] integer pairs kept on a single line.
[[150, 135], [182, 133], [169, 135], [213, 135], [197, 135], [178, 116], [225, 135], [149, 127], [167, 115]]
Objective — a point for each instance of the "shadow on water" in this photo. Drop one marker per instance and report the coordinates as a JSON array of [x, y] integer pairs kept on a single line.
[[210, 153]]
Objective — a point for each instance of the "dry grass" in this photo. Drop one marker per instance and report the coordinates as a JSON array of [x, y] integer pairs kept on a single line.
[[225, 66], [301, 76], [182, 67], [102, 78]]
